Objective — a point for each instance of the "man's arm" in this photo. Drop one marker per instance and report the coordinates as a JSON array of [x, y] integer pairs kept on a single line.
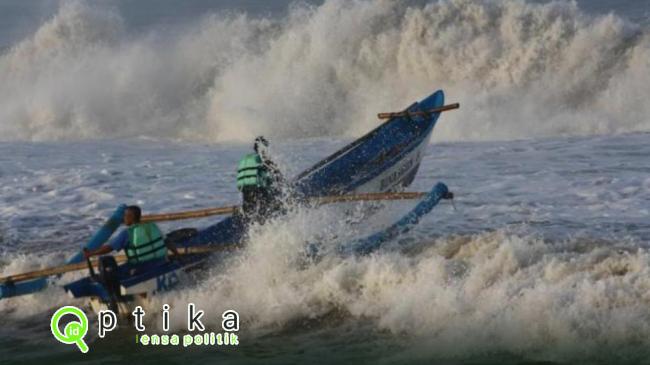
[[118, 243], [103, 250], [273, 169]]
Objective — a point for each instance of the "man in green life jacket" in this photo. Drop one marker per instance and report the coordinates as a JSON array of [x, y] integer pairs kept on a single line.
[[142, 242], [259, 181]]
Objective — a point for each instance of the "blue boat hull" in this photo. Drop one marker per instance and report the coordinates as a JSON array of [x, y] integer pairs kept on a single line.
[[385, 159]]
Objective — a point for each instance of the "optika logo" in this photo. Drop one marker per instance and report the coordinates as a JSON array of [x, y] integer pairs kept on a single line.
[[73, 332]]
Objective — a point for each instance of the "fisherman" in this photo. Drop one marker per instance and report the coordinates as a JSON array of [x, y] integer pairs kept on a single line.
[[142, 242], [259, 181]]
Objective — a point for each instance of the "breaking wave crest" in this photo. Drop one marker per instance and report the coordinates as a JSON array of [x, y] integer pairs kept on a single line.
[[494, 291], [503, 290], [519, 70]]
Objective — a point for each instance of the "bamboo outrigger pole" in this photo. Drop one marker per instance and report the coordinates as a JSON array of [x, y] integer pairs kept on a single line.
[[201, 213], [62, 269], [422, 113], [369, 197]]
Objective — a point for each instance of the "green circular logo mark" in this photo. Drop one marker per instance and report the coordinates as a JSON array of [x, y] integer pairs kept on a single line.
[[73, 332]]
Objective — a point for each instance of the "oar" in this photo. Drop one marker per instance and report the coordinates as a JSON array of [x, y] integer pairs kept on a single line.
[[422, 113], [201, 213], [62, 269]]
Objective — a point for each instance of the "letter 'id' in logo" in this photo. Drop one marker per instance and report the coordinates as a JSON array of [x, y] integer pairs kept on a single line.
[[73, 332]]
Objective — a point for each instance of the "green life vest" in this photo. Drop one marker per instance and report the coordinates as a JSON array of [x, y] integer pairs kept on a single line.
[[145, 243], [251, 172]]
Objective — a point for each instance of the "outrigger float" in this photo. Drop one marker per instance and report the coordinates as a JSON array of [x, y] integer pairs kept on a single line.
[[377, 166]]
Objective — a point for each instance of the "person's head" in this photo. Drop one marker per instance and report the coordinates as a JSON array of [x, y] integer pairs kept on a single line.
[[260, 142], [132, 215]]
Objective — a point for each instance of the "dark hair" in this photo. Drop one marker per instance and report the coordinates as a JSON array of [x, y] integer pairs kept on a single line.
[[260, 140], [137, 212]]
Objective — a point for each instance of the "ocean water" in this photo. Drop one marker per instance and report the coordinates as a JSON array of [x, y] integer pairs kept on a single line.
[[546, 258]]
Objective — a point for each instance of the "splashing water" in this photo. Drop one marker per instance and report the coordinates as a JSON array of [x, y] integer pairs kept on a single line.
[[520, 70], [546, 259], [555, 270]]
